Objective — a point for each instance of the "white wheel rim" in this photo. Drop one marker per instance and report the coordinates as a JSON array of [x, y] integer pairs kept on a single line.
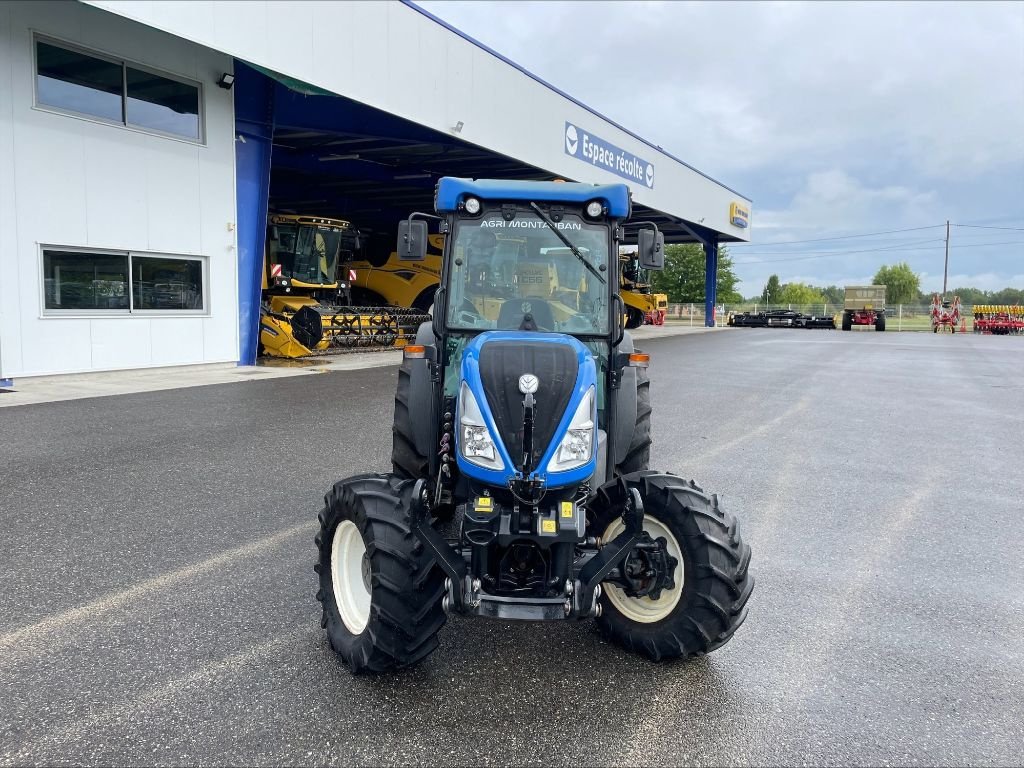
[[350, 576], [644, 610]]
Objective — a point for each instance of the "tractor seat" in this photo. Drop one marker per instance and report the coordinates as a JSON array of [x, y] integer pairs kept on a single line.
[[526, 315]]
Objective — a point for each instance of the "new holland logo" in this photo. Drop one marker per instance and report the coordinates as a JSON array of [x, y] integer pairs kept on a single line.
[[572, 139], [739, 215], [528, 383]]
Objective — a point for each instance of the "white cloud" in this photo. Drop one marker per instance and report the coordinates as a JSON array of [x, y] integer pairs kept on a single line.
[[836, 118]]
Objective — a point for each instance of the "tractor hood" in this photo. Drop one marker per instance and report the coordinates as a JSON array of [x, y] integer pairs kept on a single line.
[[527, 409]]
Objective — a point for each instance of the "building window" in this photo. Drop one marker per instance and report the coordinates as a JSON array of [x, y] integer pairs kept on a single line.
[[163, 283], [78, 281], [112, 90], [85, 280]]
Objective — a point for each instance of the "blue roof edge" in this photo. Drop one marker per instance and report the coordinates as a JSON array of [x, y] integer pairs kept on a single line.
[[564, 95], [451, 189]]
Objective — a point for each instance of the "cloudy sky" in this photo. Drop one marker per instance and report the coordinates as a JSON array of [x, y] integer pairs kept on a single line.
[[836, 119]]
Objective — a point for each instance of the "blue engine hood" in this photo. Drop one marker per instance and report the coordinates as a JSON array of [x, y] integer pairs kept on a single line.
[[586, 378]]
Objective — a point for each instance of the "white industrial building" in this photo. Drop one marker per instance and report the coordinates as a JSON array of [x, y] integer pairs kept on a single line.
[[142, 144]]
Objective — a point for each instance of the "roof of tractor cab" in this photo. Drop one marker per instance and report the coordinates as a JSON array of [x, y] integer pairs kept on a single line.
[[451, 191]]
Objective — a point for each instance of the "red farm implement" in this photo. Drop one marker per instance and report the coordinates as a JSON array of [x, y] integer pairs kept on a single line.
[[998, 319], [947, 314]]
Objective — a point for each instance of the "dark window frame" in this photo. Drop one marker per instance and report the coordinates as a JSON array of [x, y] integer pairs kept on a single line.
[[131, 310], [124, 64]]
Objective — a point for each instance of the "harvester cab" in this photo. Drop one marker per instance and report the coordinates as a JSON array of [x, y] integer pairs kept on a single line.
[[522, 417]]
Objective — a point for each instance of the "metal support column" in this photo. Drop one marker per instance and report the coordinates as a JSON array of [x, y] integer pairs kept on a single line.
[[254, 132], [710, 280]]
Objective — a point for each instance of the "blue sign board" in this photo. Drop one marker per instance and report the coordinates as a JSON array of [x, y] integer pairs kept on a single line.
[[596, 151]]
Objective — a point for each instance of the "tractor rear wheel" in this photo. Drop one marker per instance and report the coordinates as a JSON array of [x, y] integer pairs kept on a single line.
[[708, 601], [638, 457], [379, 588], [634, 317], [406, 460]]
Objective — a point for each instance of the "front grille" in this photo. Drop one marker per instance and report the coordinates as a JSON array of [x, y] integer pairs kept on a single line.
[[555, 366]]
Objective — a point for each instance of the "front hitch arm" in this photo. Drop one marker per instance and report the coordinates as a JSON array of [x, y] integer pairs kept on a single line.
[[612, 554], [451, 561]]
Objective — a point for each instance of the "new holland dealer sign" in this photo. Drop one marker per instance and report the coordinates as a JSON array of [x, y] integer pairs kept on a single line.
[[596, 151]]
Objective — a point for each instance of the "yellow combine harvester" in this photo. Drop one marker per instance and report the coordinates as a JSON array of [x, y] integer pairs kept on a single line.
[[306, 293], [398, 283]]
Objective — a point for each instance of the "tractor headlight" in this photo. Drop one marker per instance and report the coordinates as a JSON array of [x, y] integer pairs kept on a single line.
[[577, 447], [594, 209], [475, 442], [472, 206]]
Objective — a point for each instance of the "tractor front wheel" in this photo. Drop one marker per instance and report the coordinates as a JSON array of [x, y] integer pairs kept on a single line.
[[379, 588], [708, 601]]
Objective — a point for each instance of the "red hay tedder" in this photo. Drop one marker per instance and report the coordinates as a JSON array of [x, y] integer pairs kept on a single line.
[[947, 314]]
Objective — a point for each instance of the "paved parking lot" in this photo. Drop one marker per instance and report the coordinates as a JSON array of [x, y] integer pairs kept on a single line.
[[157, 600]]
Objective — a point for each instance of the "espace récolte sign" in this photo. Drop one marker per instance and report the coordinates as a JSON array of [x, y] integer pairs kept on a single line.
[[591, 149]]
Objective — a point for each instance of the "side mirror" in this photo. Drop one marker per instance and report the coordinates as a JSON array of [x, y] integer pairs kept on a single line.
[[412, 240], [651, 248]]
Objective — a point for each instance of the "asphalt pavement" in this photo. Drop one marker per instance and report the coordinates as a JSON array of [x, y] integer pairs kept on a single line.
[[157, 594]]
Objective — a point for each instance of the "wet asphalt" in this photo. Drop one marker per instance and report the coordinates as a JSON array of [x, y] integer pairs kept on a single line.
[[157, 594]]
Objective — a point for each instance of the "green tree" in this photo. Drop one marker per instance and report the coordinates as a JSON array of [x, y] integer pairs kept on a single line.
[[1007, 296], [834, 294], [902, 285], [799, 293], [683, 277], [771, 290], [972, 295]]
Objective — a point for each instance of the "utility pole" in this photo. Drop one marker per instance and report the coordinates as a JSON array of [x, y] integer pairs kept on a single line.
[[945, 269]]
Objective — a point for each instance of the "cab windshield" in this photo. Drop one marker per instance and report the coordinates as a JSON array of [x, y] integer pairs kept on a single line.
[[307, 254], [519, 275]]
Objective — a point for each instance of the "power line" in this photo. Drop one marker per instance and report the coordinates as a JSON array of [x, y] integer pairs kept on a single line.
[[826, 254], [841, 237], [978, 226], [881, 246]]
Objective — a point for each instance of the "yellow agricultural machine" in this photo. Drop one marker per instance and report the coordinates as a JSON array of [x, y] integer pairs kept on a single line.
[[398, 283], [642, 305], [306, 308]]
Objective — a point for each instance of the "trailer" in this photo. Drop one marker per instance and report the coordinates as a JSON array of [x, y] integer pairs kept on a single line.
[[864, 305]]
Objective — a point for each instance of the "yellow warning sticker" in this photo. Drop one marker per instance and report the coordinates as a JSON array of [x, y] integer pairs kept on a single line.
[[483, 501], [547, 526], [566, 509]]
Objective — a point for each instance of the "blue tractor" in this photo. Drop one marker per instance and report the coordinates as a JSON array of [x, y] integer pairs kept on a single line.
[[522, 430]]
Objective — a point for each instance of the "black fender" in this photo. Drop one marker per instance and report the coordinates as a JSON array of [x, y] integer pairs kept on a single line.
[[624, 403]]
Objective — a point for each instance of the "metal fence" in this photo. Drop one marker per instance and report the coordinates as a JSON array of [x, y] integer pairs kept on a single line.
[[899, 317]]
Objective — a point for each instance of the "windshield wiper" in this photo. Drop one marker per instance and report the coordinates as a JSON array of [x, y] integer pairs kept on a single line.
[[568, 243]]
